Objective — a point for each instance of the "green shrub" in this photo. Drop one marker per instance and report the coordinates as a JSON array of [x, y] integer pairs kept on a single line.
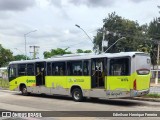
[[4, 83], [152, 95]]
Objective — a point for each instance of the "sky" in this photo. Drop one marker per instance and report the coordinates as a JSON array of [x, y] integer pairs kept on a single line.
[[54, 21]]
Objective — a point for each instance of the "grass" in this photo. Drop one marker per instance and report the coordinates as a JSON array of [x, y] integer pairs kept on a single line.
[[4, 83], [152, 95]]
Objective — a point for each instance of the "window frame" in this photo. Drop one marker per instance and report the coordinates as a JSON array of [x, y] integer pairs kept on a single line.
[[12, 66], [18, 67], [53, 66], [33, 69], [50, 69], [68, 68], [116, 58], [104, 64], [87, 60]]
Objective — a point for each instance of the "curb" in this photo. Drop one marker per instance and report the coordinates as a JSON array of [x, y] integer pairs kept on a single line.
[[147, 99]]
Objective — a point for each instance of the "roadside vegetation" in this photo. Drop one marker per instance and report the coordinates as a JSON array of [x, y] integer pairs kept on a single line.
[[4, 83], [152, 95]]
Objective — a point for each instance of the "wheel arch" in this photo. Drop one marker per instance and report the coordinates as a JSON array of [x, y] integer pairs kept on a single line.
[[21, 86], [75, 86]]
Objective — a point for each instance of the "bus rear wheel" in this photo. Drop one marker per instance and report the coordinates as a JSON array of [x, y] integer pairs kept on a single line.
[[24, 91], [77, 95]]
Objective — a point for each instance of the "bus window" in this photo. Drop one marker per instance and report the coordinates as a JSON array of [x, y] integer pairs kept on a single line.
[[49, 72], [30, 69], [75, 68], [86, 67], [12, 72], [21, 69], [119, 67], [58, 68]]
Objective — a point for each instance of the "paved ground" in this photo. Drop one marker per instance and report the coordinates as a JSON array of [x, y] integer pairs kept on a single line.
[[155, 89], [14, 101]]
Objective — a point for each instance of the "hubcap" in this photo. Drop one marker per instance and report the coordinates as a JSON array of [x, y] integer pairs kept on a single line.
[[24, 90], [76, 95]]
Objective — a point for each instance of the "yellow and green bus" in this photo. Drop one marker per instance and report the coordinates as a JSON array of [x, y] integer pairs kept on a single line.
[[110, 75]]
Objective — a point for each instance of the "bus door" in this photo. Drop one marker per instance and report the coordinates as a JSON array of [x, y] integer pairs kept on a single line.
[[40, 73], [118, 77], [97, 73]]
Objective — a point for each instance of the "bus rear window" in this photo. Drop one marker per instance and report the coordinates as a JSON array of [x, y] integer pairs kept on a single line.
[[142, 64], [143, 72]]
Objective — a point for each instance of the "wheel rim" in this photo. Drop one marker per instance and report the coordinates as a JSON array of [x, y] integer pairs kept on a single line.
[[76, 95], [24, 90]]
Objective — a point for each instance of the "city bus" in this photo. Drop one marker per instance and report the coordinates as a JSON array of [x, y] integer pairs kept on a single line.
[[109, 75]]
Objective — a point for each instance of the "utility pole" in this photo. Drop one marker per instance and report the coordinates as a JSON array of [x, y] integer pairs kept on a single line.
[[35, 51], [156, 78], [25, 35]]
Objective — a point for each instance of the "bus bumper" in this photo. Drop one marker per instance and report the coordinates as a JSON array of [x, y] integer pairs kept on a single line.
[[136, 93]]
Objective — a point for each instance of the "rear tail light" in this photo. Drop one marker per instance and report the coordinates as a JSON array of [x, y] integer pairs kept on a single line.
[[143, 71], [135, 85]]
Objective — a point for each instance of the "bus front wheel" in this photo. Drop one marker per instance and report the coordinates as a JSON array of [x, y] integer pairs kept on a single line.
[[24, 91], [77, 95]]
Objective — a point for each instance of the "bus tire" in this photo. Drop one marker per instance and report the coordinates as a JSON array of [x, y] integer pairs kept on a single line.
[[77, 95], [24, 91]]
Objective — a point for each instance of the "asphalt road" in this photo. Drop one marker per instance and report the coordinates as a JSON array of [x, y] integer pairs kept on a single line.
[[14, 101]]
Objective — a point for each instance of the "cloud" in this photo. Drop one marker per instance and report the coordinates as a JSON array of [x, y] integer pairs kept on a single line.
[[100, 3], [57, 3], [138, 1], [16, 5], [93, 3]]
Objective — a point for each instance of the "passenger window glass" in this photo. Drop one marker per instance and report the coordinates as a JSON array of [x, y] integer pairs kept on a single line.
[[12, 72], [86, 68], [49, 69], [75, 68], [119, 67], [21, 69], [58, 68], [30, 69]]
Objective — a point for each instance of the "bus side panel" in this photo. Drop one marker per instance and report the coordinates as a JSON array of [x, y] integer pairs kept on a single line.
[[31, 81], [14, 84], [121, 83], [83, 81], [27, 80], [56, 81]]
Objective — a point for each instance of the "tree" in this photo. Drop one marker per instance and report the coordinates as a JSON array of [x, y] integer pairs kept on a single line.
[[79, 51], [154, 34], [118, 27], [20, 57], [83, 51], [5, 56], [87, 51], [54, 52]]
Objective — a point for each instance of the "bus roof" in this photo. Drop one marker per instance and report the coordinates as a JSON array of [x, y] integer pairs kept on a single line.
[[80, 57]]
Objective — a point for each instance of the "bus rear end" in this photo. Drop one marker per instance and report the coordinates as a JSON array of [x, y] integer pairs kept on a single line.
[[140, 83]]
